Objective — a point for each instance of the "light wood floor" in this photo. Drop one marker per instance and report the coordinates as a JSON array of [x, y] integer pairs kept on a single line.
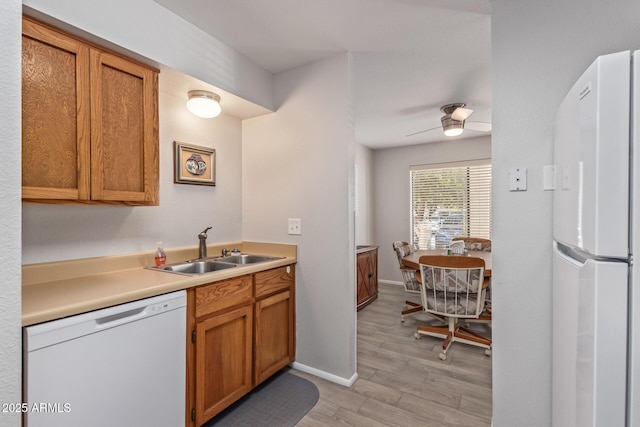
[[401, 381]]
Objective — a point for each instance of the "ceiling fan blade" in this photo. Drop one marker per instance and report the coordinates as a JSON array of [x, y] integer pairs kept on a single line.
[[479, 126], [461, 114], [422, 131]]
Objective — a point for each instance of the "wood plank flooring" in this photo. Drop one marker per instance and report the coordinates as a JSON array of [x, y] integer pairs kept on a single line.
[[402, 381]]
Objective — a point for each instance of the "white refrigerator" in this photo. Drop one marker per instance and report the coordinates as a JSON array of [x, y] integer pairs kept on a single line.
[[596, 300]]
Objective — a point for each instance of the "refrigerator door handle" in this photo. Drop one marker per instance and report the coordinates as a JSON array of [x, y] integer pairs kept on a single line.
[[565, 252]]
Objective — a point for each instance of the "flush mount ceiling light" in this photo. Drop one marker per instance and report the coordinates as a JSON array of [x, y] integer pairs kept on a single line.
[[204, 104]]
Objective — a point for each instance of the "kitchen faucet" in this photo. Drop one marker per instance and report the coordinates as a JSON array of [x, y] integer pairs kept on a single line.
[[202, 249]]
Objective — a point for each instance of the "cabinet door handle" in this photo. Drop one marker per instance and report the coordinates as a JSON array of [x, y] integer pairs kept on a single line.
[[370, 275]]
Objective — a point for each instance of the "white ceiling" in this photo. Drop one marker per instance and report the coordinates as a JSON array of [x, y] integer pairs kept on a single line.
[[410, 56]]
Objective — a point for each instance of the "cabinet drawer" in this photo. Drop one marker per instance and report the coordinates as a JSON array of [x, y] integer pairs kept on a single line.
[[270, 281], [224, 294]]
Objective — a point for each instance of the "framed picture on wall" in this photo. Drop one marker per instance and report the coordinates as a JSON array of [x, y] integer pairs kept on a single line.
[[194, 164]]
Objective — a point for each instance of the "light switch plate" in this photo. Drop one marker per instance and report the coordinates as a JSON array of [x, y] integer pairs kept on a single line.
[[549, 178], [566, 177], [295, 226], [518, 179]]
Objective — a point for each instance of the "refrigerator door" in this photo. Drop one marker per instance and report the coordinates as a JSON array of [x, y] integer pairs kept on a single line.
[[634, 292], [591, 154], [589, 341]]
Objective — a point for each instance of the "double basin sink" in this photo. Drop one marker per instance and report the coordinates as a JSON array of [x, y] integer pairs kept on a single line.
[[208, 265]]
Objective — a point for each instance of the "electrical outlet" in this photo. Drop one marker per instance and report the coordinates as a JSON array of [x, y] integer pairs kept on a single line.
[[295, 226]]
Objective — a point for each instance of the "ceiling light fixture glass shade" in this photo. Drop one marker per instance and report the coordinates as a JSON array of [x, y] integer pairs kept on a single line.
[[452, 127], [204, 104]]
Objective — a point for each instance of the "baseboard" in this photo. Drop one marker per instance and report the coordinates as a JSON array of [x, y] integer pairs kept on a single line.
[[391, 282], [347, 382]]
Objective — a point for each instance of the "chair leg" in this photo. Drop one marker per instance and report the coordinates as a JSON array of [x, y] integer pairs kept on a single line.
[[469, 335], [440, 331], [485, 317], [411, 311], [415, 308], [454, 332]]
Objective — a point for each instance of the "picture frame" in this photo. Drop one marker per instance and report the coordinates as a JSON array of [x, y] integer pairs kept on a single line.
[[194, 164]]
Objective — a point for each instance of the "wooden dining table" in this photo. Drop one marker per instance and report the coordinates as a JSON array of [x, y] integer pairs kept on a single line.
[[413, 260]]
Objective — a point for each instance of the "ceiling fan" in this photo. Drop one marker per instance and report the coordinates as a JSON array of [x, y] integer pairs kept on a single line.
[[454, 121]]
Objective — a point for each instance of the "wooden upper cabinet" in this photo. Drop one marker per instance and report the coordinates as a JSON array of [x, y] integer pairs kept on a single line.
[[124, 139], [55, 115], [90, 122]]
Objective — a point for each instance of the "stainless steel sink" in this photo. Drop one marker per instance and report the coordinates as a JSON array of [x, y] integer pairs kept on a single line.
[[247, 258], [195, 267], [208, 265]]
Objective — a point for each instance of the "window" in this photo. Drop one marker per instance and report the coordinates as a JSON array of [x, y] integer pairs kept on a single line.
[[449, 201]]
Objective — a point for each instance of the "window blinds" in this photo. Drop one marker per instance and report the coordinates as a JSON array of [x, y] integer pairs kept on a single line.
[[449, 201]]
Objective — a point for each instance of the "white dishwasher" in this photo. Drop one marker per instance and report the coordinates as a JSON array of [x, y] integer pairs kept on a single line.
[[118, 366]]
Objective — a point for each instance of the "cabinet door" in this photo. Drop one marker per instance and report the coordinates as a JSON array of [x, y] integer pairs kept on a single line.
[[55, 115], [274, 334], [124, 130], [223, 361], [367, 278]]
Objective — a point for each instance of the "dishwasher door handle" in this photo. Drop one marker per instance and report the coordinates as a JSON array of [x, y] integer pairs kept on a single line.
[[121, 318]]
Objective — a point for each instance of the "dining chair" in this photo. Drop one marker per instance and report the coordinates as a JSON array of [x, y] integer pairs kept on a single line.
[[409, 280], [475, 243], [454, 287], [480, 244]]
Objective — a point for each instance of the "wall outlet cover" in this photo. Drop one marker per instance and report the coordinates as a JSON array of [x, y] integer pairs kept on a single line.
[[295, 226], [518, 179]]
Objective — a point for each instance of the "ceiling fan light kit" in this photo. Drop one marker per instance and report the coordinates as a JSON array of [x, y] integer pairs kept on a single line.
[[452, 127], [453, 121]]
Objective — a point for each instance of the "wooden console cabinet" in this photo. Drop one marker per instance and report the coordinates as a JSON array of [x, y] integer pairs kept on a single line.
[[367, 275], [89, 122], [241, 331]]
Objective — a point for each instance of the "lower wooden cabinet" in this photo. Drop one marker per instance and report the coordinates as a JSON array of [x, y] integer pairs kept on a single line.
[[274, 337], [224, 351], [241, 331], [367, 276]]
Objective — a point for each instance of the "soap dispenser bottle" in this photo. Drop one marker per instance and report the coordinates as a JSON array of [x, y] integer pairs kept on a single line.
[[161, 257]]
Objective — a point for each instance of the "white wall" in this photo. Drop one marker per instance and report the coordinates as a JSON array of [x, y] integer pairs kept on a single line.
[[364, 195], [539, 49], [297, 163], [391, 195], [65, 232], [10, 173], [150, 30], [60, 232]]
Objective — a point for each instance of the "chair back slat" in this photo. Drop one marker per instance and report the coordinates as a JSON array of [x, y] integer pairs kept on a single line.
[[452, 285]]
